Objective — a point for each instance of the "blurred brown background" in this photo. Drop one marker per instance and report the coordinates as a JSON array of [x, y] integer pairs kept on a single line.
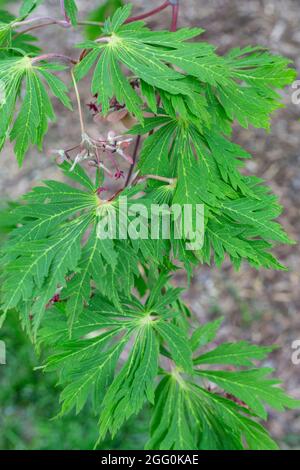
[[263, 307]]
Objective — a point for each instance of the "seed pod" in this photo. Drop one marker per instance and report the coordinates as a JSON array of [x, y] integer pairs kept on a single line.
[[117, 116]]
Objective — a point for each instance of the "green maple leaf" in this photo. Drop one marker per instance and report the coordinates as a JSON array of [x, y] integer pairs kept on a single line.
[[31, 123], [253, 388], [28, 6], [146, 54], [71, 11]]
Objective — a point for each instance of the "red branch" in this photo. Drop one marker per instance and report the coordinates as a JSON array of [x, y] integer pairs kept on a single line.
[[134, 157], [54, 56], [149, 13], [175, 13]]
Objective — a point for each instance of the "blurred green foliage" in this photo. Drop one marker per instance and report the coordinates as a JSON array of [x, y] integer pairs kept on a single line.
[[29, 398], [29, 401]]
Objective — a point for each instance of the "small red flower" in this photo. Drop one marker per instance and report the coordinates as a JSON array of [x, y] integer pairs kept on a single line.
[[101, 190], [93, 107], [119, 174]]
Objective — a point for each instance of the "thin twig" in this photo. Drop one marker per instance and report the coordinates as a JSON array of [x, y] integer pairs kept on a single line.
[[148, 13], [175, 13], [134, 157], [163, 179], [79, 104], [90, 23], [35, 19], [32, 28], [53, 21], [51, 56]]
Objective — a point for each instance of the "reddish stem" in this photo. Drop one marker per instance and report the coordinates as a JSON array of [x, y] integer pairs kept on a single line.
[[134, 157], [149, 13], [175, 13], [38, 26], [65, 58], [64, 24], [34, 19]]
